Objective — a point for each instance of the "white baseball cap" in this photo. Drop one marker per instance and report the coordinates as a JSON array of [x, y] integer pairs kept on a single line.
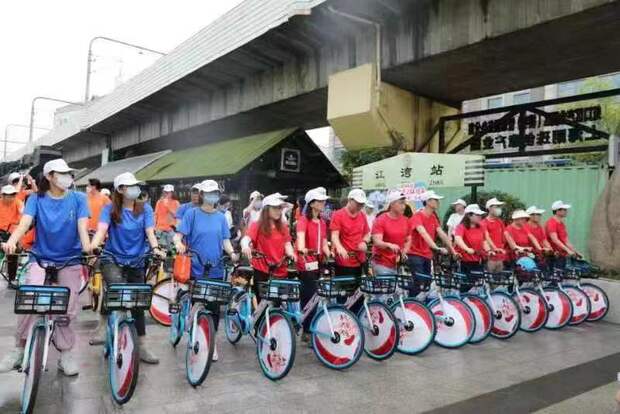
[[474, 208], [273, 200], [321, 190], [127, 179], [315, 194], [534, 210], [196, 186], [254, 195], [358, 195], [105, 192], [558, 205], [280, 196], [208, 186], [394, 195], [461, 202], [430, 195], [168, 188], [14, 176], [519, 214], [58, 165], [369, 204], [494, 202], [9, 189]]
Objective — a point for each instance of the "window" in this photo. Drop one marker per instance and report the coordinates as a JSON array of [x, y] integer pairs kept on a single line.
[[496, 102], [568, 88], [521, 98]]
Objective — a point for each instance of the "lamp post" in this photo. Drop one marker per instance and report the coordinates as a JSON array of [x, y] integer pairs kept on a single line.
[[34, 100], [6, 136], [90, 58]]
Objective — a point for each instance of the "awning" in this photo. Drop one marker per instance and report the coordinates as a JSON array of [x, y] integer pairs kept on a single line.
[[213, 160], [108, 172]]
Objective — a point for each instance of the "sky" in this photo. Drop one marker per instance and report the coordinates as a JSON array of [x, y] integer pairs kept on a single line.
[[44, 46]]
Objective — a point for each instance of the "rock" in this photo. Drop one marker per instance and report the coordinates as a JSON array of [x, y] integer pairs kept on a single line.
[[605, 233]]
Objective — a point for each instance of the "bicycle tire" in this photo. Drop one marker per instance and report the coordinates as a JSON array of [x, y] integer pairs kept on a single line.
[[197, 362], [125, 368], [535, 315], [581, 305], [178, 320], [507, 318], [560, 308], [482, 315], [380, 340], [348, 327], [276, 365], [458, 334], [33, 370], [417, 328], [162, 293], [599, 301]]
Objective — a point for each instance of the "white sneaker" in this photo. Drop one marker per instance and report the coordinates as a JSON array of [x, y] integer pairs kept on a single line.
[[12, 360], [215, 357], [67, 365]]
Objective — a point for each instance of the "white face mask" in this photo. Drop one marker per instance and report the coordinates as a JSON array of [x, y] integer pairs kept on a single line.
[[64, 181], [497, 211], [133, 192]]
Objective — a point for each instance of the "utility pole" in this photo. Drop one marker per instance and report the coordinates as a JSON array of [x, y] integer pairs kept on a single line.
[[6, 136], [34, 100]]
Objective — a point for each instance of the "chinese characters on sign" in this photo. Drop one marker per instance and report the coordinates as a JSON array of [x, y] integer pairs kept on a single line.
[[526, 130]]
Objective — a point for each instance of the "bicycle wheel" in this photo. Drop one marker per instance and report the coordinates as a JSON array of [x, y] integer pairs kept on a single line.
[[599, 302], [200, 349], [533, 310], [124, 363], [380, 332], [482, 315], [560, 308], [507, 319], [455, 322], [276, 354], [163, 292], [345, 348], [33, 369], [416, 324], [232, 324], [581, 305]]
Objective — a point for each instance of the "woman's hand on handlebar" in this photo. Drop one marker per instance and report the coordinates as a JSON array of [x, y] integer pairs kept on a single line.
[[442, 250], [247, 252], [342, 252], [234, 257], [9, 247], [159, 252], [393, 247], [180, 248], [362, 246]]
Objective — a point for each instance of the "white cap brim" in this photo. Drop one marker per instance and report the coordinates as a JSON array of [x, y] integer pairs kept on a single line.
[[459, 202]]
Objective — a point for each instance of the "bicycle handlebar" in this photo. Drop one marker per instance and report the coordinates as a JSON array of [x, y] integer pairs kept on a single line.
[[75, 260]]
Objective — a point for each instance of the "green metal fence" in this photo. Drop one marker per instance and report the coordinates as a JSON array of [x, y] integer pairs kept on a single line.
[[576, 185]]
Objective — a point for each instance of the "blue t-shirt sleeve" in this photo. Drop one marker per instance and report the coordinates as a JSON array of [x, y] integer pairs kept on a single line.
[[181, 212], [225, 229], [106, 214], [149, 221], [82, 206], [184, 227], [31, 206]]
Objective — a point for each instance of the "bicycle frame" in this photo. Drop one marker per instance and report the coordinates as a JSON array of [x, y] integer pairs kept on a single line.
[[50, 325]]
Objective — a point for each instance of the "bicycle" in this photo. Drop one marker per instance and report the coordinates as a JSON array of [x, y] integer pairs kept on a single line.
[[579, 299], [599, 302], [276, 314], [49, 303], [189, 315], [22, 261], [532, 304], [121, 346]]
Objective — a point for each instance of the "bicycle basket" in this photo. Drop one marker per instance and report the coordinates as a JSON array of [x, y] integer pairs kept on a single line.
[[337, 286], [573, 272], [41, 300], [449, 280], [476, 278], [524, 276], [378, 285], [418, 282], [505, 278], [279, 289], [127, 296], [211, 290]]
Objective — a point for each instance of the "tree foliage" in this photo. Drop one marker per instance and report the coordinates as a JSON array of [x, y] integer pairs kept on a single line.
[[512, 203], [353, 159]]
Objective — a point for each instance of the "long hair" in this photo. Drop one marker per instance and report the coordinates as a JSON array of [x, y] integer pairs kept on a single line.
[[467, 220], [117, 207], [264, 222], [43, 185]]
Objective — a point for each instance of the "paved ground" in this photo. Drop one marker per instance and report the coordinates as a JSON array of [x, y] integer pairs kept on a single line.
[[488, 377]]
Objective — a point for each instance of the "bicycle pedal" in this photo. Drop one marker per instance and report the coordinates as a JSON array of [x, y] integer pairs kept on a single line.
[[174, 308]]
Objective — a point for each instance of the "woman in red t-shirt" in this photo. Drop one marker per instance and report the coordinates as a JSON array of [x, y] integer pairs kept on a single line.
[[391, 236], [313, 248], [469, 237], [270, 237], [517, 235]]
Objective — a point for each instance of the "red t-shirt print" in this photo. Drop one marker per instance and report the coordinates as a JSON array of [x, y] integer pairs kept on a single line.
[[556, 226], [312, 232], [473, 238], [395, 230], [419, 247], [272, 246], [496, 228], [352, 230]]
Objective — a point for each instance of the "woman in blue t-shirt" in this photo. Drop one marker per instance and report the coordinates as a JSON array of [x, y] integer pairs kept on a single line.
[[129, 225], [61, 218], [205, 231]]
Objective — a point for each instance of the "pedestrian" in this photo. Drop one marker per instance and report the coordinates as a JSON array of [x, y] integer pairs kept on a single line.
[[194, 201], [252, 212], [61, 234], [10, 214], [165, 211], [370, 212], [128, 225], [224, 206], [537, 231], [391, 236], [558, 235], [456, 217], [311, 232], [96, 202], [205, 231], [494, 235], [518, 236], [470, 241], [106, 192], [24, 184]]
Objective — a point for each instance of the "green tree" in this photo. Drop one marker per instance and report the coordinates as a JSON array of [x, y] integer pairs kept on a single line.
[[353, 159], [512, 203]]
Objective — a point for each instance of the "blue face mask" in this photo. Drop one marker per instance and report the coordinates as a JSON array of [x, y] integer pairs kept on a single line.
[[211, 198]]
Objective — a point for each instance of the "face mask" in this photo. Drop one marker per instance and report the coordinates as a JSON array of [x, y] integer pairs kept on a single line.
[[64, 181], [132, 192], [497, 212], [258, 205], [211, 199]]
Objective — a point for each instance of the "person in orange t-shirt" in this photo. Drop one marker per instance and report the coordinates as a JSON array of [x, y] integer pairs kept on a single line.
[[25, 185], [96, 202], [10, 214], [165, 213]]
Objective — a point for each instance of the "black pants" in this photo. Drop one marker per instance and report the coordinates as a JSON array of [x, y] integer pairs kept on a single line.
[[418, 264], [116, 274], [467, 268], [350, 271], [11, 266], [308, 289], [258, 278]]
